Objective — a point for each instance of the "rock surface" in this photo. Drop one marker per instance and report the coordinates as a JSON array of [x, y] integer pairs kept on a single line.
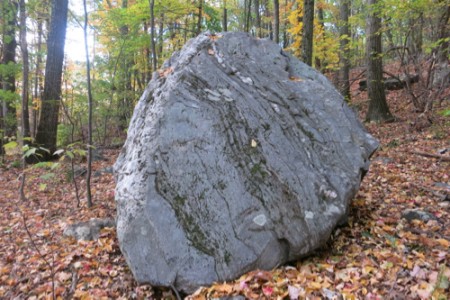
[[238, 157]]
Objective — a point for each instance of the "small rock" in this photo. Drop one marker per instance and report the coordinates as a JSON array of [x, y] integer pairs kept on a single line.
[[442, 185], [384, 160], [107, 170], [415, 214], [89, 230], [79, 171], [97, 155]]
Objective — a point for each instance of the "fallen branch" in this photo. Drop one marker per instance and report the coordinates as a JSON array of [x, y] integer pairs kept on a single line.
[[441, 157], [440, 196]]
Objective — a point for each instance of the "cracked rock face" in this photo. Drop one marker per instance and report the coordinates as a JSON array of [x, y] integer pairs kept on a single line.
[[238, 157]]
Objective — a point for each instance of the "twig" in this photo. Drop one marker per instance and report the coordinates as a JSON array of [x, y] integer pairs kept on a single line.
[[175, 291], [22, 196], [441, 157], [441, 197], [42, 256]]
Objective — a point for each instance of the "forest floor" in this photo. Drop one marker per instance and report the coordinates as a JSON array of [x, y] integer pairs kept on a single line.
[[379, 255]]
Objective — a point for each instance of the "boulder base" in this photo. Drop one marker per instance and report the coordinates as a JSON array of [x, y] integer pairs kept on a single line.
[[238, 157]]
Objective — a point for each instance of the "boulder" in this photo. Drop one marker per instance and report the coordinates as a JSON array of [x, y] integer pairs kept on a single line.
[[238, 157]]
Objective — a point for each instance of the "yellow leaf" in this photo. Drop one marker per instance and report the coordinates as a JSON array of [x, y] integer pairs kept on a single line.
[[297, 79], [315, 285], [253, 143], [444, 243]]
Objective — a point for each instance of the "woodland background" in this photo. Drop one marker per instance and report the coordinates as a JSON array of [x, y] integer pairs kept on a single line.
[[80, 110]]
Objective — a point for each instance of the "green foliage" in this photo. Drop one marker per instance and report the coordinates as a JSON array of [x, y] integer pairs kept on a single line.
[[212, 18], [63, 135]]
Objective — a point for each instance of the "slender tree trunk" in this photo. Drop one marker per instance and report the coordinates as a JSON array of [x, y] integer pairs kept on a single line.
[[161, 36], [320, 16], [124, 81], [25, 71], [224, 17], [378, 108], [344, 33], [88, 79], [285, 26], [257, 19], [152, 33], [444, 35], [414, 39], [276, 20], [249, 13], [8, 122], [37, 80], [307, 37], [147, 74], [48, 122], [200, 16]]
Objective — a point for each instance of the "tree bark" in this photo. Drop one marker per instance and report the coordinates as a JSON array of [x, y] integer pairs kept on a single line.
[[37, 79], [276, 20], [285, 26], [344, 33], [225, 17], [8, 122], [199, 17], [89, 90], [152, 34], [444, 35], [321, 19], [378, 108], [48, 121], [257, 19], [307, 36], [25, 71]]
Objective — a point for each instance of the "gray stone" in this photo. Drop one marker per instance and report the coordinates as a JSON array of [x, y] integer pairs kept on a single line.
[[106, 170], [238, 157], [89, 230], [416, 214]]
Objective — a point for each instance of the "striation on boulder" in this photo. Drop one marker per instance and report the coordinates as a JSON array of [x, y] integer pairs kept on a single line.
[[238, 157]]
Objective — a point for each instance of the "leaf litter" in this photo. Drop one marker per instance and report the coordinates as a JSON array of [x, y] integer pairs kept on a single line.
[[378, 255]]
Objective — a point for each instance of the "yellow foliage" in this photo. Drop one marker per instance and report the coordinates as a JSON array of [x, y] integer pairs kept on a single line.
[[325, 45]]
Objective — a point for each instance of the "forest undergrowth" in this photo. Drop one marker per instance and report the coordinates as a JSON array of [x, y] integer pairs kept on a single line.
[[381, 254]]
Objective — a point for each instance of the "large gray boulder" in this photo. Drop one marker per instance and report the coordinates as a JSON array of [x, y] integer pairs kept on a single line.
[[238, 157]]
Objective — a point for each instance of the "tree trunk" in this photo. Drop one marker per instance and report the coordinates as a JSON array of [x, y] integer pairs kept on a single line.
[[344, 33], [444, 35], [285, 34], [160, 37], [224, 17], [152, 33], [378, 108], [257, 19], [307, 36], [320, 16], [248, 16], [124, 103], [276, 20], [37, 80], [415, 38], [199, 17], [48, 121], [88, 79], [8, 122], [25, 71]]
